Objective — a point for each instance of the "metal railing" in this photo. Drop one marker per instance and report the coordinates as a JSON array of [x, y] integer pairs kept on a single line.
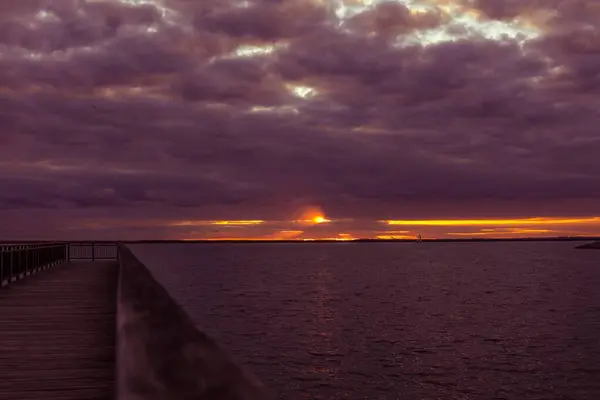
[[20, 260], [92, 251]]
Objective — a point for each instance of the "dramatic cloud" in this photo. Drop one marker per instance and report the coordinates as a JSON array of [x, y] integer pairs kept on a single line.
[[135, 114]]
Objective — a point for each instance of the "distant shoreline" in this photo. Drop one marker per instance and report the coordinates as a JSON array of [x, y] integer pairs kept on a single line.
[[474, 240], [595, 244]]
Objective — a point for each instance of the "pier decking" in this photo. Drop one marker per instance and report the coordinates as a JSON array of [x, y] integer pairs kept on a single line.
[[57, 333], [57, 321], [101, 327]]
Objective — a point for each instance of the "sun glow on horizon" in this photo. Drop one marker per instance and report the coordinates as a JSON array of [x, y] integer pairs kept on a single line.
[[319, 219], [312, 215]]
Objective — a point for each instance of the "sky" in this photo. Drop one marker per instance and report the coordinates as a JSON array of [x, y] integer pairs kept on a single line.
[[185, 119]]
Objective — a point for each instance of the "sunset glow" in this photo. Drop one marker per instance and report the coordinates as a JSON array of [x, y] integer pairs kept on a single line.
[[496, 222], [318, 219], [251, 222], [394, 237], [225, 223], [312, 215], [316, 226], [512, 232]]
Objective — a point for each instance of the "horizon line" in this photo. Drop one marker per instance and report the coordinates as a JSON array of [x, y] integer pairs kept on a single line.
[[311, 240]]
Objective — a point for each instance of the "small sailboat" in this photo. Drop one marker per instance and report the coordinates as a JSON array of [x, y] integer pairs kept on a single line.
[[419, 238]]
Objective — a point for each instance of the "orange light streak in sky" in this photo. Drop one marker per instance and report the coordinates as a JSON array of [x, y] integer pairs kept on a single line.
[[272, 239], [496, 222], [202, 223], [394, 237], [248, 222], [213, 239], [485, 232]]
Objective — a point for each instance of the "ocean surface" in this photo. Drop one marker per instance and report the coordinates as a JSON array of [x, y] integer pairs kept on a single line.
[[518, 321]]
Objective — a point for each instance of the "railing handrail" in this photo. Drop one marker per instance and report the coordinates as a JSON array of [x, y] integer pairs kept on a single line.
[[94, 254], [18, 261], [11, 247]]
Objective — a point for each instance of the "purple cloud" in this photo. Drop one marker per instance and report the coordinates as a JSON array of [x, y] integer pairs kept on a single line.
[[265, 107]]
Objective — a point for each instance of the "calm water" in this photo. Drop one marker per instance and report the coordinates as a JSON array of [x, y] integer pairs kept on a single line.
[[397, 321]]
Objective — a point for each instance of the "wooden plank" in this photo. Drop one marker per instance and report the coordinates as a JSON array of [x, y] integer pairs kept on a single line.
[[57, 333]]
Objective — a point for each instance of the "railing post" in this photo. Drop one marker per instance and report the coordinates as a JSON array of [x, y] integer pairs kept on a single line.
[[68, 250], [1, 265], [27, 260], [93, 251], [10, 264], [22, 261], [17, 263]]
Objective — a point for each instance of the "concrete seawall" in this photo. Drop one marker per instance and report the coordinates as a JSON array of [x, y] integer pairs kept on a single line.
[[160, 352]]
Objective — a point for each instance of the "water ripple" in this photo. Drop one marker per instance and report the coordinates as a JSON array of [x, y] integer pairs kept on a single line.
[[467, 321]]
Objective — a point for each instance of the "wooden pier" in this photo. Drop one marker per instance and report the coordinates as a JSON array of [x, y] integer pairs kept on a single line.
[[57, 324], [82, 321]]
